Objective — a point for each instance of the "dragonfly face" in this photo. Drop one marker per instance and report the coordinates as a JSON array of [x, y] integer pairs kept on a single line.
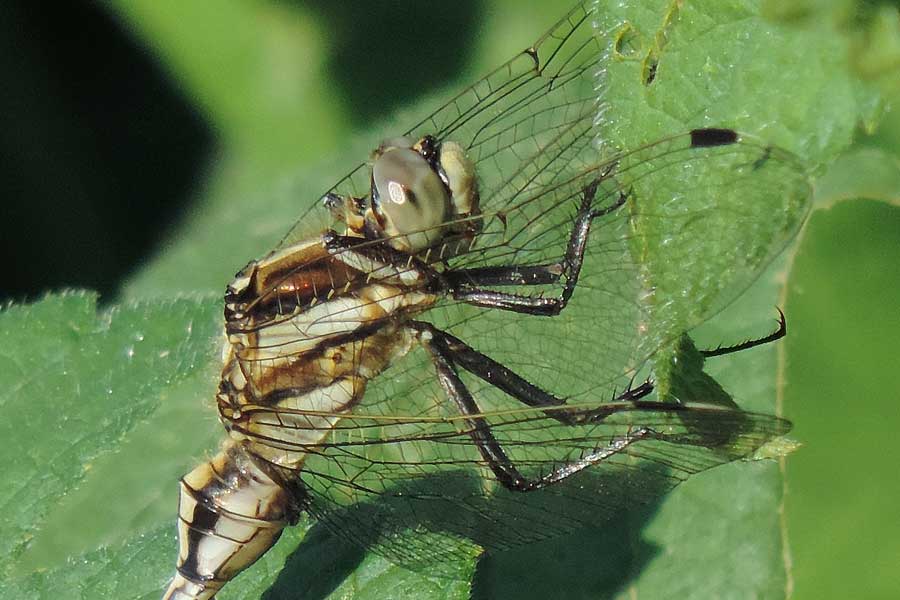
[[375, 375], [419, 193]]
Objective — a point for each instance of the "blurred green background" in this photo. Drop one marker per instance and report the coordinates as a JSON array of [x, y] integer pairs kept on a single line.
[[134, 132]]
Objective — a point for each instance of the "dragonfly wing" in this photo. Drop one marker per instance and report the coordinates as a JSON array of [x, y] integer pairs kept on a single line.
[[417, 490], [703, 216]]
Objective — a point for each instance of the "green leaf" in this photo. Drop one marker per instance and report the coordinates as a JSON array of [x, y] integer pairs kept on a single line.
[[105, 411], [77, 384], [865, 172], [841, 367]]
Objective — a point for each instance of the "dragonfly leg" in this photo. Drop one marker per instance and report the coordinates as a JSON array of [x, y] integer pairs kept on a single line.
[[464, 282], [772, 337], [439, 346], [510, 382]]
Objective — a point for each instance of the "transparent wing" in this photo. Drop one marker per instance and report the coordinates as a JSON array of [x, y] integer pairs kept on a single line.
[[415, 487], [699, 223]]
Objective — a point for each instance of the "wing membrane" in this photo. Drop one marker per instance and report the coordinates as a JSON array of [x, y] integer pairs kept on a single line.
[[699, 224], [427, 474]]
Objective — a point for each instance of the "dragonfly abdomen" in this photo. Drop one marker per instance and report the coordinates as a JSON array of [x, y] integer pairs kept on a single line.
[[231, 511]]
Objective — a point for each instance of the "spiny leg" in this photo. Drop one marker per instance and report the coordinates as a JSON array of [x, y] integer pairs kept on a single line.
[[435, 342], [772, 337], [506, 380], [462, 282]]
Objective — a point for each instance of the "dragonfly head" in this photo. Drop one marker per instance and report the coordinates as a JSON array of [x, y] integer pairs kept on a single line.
[[422, 194]]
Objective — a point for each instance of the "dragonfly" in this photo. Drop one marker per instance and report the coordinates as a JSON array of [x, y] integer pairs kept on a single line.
[[472, 349]]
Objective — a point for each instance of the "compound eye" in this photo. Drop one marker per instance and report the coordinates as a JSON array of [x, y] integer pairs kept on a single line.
[[409, 199]]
